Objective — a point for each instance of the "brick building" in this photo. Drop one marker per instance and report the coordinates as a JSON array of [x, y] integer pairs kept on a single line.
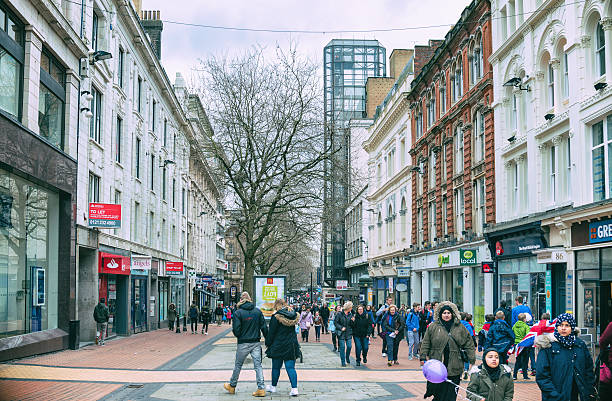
[[453, 183]]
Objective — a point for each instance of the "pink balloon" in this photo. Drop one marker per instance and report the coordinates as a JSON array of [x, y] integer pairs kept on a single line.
[[435, 371]]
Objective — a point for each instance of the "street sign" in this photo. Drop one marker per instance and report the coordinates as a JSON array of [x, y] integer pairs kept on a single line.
[[104, 215]]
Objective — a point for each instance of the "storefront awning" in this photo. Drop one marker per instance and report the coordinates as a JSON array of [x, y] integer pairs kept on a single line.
[[210, 294]]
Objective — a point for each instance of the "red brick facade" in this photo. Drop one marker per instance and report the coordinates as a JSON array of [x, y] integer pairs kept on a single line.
[[473, 28]]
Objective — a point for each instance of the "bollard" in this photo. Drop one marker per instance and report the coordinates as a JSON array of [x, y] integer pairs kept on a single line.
[[178, 324], [184, 322]]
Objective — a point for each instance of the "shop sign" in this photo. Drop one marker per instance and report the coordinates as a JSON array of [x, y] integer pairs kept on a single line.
[[370, 296], [524, 244], [548, 289], [191, 274], [487, 267], [174, 268], [141, 262], [443, 260], [569, 292], [556, 256], [403, 272], [600, 231], [267, 290], [467, 257], [115, 265], [341, 284], [390, 284], [104, 215], [206, 279], [233, 291]]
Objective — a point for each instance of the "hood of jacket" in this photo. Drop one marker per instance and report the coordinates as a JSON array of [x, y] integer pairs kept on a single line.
[[246, 305], [545, 340], [287, 317], [442, 304]]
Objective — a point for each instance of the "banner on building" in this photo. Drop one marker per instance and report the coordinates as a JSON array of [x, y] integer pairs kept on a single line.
[[267, 290], [174, 268], [114, 264], [104, 215], [467, 257], [341, 284]]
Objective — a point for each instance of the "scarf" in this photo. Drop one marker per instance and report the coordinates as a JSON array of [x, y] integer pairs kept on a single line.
[[447, 325], [567, 341], [493, 373]]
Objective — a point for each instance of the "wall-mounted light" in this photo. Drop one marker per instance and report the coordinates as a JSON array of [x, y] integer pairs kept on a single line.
[[512, 138], [88, 113], [549, 116], [516, 82], [88, 96], [166, 162], [98, 56], [600, 85]]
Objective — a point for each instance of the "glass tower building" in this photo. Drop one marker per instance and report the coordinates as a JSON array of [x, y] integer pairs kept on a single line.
[[347, 66]]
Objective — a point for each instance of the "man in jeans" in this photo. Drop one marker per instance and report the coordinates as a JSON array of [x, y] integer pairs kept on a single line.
[[101, 316], [247, 325], [412, 330]]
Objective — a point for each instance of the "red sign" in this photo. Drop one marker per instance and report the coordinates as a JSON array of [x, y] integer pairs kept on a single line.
[[270, 280], [104, 215], [174, 268], [488, 267], [114, 264]]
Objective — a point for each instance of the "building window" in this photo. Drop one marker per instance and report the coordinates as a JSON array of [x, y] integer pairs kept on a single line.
[[431, 109], [11, 63], [420, 178], [458, 150], [151, 228], [94, 32], [174, 193], [432, 221], [402, 152], [379, 224], [136, 222], [95, 123], [164, 183], [153, 115], [51, 99], [444, 153], [165, 132], [459, 212], [139, 95], [432, 169], [565, 76], [94, 188], [514, 117], [118, 139], [390, 227], [479, 205], [152, 175], [137, 157], [419, 227], [553, 174], [600, 50], [601, 154], [442, 94], [568, 168], [444, 220], [174, 147], [419, 123], [479, 137], [403, 214], [120, 64], [184, 202], [551, 86]]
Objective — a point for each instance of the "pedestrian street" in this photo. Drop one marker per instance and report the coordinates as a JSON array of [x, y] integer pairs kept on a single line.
[[163, 365]]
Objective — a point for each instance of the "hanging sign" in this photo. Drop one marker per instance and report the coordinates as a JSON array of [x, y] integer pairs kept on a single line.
[[487, 267], [104, 215], [174, 268]]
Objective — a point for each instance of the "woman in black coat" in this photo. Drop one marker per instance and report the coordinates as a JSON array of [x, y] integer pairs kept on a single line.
[[361, 331], [282, 345], [564, 366]]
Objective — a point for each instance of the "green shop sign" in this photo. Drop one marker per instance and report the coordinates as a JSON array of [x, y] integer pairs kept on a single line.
[[467, 257]]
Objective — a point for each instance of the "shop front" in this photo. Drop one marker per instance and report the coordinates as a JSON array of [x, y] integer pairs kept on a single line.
[[113, 276], [176, 273], [141, 266], [163, 291]]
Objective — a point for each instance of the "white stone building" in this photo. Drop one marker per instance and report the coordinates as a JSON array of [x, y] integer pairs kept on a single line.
[[552, 64]]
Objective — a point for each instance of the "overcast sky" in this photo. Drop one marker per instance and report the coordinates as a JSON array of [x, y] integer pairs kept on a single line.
[[182, 46]]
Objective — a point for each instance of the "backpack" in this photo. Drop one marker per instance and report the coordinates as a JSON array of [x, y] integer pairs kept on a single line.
[[331, 326]]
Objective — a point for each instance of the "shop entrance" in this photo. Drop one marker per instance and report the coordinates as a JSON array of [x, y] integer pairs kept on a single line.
[[606, 305], [111, 287], [139, 305], [558, 288]]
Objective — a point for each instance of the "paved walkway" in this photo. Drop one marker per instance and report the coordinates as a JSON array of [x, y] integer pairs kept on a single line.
[[163, 365]]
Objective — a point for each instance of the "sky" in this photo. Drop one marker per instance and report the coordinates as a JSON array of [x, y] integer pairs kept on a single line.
[[183, 46]]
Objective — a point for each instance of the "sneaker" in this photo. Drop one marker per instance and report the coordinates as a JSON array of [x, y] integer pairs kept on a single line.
[[348, 361], [270, 389], [344, 365], [410, 357], [396, 362], [514, 378], [259, 393], [465, 375], [229, 388], [294, 392], [206, 333], [389, 363], [384, 355], [335, 349]]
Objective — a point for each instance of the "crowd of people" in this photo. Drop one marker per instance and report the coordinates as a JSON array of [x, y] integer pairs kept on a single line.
[[563, 368]]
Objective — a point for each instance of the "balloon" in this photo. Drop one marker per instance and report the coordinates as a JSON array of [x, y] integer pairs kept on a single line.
[[435, 371]]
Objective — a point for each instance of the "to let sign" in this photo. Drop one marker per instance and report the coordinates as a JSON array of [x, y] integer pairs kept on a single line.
[[104, 215], [600, 231], [174, 268]]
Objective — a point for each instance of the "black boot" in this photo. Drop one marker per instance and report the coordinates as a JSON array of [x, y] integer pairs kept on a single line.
[[358, 363], [365, 359]]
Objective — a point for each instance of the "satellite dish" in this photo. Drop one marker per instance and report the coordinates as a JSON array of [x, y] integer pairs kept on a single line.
[[401, 287]]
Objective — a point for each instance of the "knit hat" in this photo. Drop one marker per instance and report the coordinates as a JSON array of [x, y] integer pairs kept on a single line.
[[565, 341], [566, 317]]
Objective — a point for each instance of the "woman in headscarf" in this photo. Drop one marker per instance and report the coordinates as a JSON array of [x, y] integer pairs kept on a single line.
[[446, 339], [491, 380], [564, 364]]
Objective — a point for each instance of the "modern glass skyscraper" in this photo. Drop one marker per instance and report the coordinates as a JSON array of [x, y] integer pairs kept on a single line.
[[347, 66]]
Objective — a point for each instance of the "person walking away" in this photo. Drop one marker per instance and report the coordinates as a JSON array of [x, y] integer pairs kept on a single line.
[[282, 345], [425, 318], [219, 314], [564, 364], [500, 337], [332, 328], [379, 314], [305, 322], [101, 315], [228, 315], [482, 334], [344, 321], [318, 322], [491, 381], [370, 313], [193, 317], [605, 341], [413, 326], [205, 316], [393, 327], [247, 327], [171, 316], [446, 339], [503, 306], [325, 316], [361, 332], [470, 329], [520, 308], [521, 329]]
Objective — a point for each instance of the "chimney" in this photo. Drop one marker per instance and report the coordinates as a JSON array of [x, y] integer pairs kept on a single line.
[[398, 60], [153, 26], [422, 54]]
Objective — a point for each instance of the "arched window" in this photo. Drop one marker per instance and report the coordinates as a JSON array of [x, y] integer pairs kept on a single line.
[[403, 219], [379, 224], [390, 228], [459, 78], [453, 85], [564, 71], [431, 108], [419, 121], [478, 127], [458, 149], [443, 94], [600, 50], [431, 170], [472, 79]]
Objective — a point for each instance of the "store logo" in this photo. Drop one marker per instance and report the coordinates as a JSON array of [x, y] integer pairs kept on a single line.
[[499, 248], [467, 257], [443, 259], [112, 264]]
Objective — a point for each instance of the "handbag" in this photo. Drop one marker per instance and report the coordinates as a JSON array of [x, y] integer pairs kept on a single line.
[[331, 326], [462, 351]]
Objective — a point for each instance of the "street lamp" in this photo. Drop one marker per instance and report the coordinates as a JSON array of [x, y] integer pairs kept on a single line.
[[98, 56]]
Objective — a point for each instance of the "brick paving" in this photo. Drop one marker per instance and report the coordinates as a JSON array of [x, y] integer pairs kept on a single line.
[[163, 365]]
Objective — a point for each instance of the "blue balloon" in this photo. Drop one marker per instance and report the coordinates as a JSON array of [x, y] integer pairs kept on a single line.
[[435, 371]]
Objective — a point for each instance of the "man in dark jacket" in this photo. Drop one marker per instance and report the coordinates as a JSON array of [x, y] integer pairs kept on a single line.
[[101, 316], [248, 324], [503, 307], [219, 314], [325, 316], [500, 336]]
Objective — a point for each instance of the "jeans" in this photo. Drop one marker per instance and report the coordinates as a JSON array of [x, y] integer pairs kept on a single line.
[[194, 322], [241, 353], [101, 331], [171, 324], [205, 327], [521, 362], [361, 348], [277, 364], [391, 356], [325, 323], [305, 335], [531, 357], [219, 320], [413, 343], [335, 340], [318, 332], [345, 346]]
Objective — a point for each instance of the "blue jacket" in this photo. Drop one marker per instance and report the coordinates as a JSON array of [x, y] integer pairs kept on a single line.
[[500, 336], [371, 315], [520, 309], [468, 327], [557, 367], [412, 321]]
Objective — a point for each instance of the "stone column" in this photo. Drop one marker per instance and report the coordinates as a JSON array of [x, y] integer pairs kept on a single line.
[[31, 77], [606, 24], [555, 64], [71, 113]]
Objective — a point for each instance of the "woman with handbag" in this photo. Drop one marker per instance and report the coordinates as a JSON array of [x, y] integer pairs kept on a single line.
[[305, 322], [447, 340], [282, 345], [332, 327]]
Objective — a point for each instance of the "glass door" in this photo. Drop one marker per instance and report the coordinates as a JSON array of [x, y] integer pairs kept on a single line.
[[139, 305]]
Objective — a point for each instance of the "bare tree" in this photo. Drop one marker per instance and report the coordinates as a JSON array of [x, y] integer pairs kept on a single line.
[[267, 116]]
